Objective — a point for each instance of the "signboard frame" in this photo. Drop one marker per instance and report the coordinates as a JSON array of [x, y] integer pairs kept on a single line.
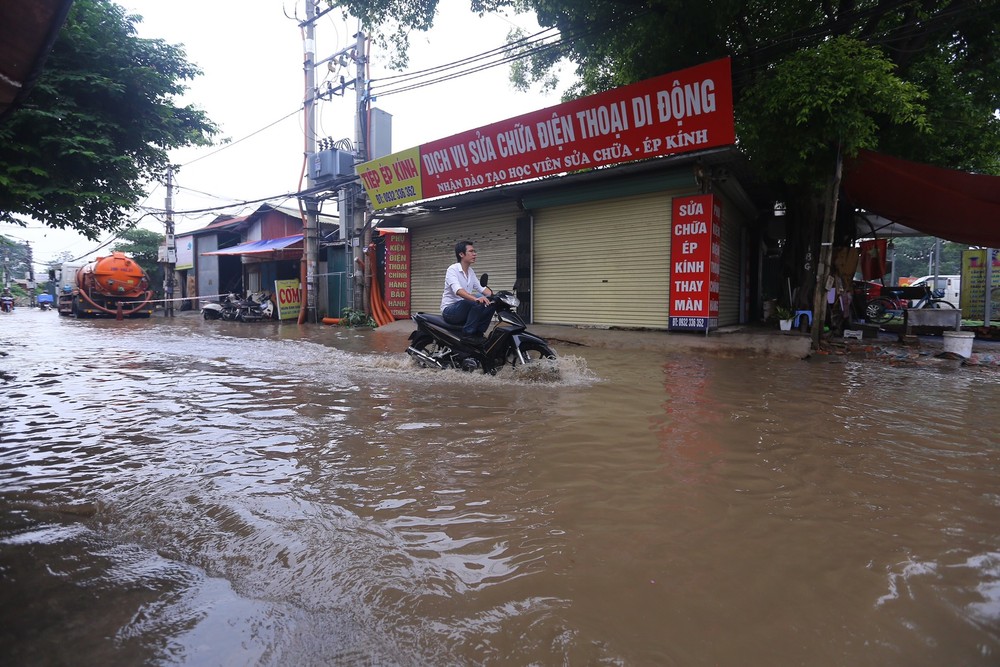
[[679, 112]]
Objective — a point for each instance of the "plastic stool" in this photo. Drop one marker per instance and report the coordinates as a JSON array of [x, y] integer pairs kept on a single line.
[[798, 315]]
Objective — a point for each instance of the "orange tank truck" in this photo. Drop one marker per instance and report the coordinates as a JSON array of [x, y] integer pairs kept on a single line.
[[105, 287]]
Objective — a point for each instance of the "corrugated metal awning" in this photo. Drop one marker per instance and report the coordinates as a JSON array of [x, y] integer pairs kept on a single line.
[[261, 247]]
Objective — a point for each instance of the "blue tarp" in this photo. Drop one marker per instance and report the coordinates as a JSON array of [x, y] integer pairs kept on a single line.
[[262, 246], [44, 298]]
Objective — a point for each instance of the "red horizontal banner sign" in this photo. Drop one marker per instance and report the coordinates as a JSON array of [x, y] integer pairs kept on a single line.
[[674, 113]]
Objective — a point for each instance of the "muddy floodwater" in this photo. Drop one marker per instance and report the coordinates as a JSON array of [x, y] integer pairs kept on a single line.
[[175, 491]]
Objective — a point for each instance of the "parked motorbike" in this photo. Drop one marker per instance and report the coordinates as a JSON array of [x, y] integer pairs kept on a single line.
[[437, 344], [231, 308], [223, 310], [263, 299]]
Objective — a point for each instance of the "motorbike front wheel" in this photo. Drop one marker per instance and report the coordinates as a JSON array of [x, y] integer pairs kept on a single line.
[[531, 352]]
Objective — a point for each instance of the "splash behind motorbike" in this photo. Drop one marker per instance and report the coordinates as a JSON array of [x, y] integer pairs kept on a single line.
[[437, 344]]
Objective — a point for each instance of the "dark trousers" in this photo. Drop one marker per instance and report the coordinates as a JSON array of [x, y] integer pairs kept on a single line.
[[474, 317]]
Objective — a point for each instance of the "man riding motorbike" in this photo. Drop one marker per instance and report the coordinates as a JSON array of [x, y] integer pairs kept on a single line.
[[464, 300]]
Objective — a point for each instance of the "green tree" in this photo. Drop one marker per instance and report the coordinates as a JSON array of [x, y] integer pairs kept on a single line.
[[143, 246], [97, 125], [13, 260], [913, 256]]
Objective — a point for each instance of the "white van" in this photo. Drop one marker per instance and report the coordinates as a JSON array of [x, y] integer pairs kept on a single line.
[[951, 285]]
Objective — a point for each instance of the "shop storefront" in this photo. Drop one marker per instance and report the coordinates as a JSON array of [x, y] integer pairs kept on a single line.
[[580, 250], [573, 205]]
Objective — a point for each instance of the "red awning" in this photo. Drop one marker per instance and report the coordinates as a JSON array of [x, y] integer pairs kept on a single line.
[[261, 247], [952, 205]]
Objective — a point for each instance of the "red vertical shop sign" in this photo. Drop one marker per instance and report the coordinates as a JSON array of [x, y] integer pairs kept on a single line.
[[397, 274], [695, 240]]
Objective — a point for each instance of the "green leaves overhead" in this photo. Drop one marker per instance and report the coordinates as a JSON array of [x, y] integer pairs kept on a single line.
[[97, 125], [831, 97]]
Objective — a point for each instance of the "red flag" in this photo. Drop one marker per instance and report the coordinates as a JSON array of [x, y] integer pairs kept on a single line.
[[873, 254]]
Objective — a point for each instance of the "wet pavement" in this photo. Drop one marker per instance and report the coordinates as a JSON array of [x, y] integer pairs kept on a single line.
[[182, 492], [764, 341]]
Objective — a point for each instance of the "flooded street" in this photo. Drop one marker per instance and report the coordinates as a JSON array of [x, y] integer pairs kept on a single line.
[[176, 491]]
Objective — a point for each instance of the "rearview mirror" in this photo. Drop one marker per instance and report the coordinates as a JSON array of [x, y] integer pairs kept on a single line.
[[484, 279]]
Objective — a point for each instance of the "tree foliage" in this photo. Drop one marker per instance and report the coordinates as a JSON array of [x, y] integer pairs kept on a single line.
[[824, 100], [913, 256], [97, 125], [14, 259], [143, 246]]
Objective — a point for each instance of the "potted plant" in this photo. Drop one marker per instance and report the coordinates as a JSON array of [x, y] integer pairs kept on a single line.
[[784, 317]]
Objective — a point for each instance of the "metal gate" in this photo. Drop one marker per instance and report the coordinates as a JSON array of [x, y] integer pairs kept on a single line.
[[608, 263], [605, 262], [432, 251]]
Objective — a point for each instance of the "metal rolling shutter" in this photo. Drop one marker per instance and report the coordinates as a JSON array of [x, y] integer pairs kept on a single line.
[[730, 274], [432, 251], [603, 263]]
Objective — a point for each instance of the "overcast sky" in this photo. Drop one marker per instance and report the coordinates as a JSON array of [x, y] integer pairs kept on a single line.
[[251, 55]]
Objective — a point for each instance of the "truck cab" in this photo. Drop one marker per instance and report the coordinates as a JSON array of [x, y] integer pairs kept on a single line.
[[950, 285]]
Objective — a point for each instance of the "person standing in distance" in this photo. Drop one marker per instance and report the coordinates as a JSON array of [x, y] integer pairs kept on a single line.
[[464, 298]]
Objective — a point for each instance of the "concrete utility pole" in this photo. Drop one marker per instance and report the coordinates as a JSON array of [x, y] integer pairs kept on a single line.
[[351, 192], [310, 245], [169, 266], [31, 273], [359, 239]]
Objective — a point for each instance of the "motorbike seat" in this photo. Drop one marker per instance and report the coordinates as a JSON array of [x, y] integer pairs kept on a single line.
[[438, 321]]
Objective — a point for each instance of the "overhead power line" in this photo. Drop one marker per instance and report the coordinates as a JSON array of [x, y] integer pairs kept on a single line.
[[517, 50], [241, 139], [500, 50]]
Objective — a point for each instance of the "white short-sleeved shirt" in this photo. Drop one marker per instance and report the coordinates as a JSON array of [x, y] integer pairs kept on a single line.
[[455, 280]]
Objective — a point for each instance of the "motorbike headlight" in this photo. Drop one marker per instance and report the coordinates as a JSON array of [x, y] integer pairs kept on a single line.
[[510, 299]]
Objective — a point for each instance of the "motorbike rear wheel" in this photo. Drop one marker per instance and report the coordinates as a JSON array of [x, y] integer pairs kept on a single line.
[[426, 345]]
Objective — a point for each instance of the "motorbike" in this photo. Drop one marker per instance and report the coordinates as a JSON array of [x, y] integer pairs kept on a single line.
[[7, 304], [263, 299], [437, 344], [232, 308], [44, 305]]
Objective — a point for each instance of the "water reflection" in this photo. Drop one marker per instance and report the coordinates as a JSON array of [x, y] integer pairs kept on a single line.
[[215, 493]]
